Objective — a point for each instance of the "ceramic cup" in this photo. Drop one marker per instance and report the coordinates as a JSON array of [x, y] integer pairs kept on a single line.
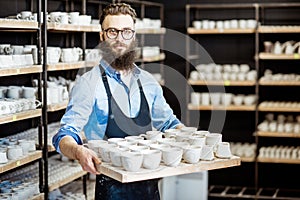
[[197, 140], [146, 142], [3, 156], [136, 148], [95, 145], [213, 139], [207, 152], [152, 135], [104, 151], [188, 129], [172, 156], [151, 159], [171, 133], [183, 137], [223, 150], [133, 138], [192, 154], [166, 140], [132, 161], [115, 140], [115, 157]]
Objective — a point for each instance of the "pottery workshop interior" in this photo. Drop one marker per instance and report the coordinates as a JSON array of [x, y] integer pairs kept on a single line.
[[194, 100]]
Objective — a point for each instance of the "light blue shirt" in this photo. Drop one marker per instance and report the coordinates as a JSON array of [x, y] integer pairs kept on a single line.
[[88, 106]]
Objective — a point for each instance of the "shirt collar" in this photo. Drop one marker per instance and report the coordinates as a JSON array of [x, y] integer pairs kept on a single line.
[[111, 72]]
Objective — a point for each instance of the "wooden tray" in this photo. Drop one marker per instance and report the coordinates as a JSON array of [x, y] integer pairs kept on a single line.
[[119, 174]]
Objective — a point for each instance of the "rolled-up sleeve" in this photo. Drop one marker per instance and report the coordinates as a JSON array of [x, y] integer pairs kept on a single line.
[[77, 113], [162, 115]]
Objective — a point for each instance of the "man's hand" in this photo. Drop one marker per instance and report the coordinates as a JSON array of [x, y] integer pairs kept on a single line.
[[87, 158]]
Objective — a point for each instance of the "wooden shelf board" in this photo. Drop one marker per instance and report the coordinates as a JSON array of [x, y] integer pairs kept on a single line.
[[151, 31], [279, 83], [271, 56], [191, 30], [12, 164], [91, 63], [232, 108], [17, 24], [20, 116], [279, 29], [21, 70], [278, 160], [38, 197], [65, 66], [159, 57], [277, 109], [123, 176], [69, 179], [51, 148], [57, 106], [73, 28], [225, 83], [278, 134], [248, 159]]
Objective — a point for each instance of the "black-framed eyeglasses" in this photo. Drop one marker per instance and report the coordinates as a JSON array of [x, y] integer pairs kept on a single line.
[[112, 33]]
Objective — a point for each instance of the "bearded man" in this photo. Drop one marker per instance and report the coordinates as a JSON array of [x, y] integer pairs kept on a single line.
[[114, 100]]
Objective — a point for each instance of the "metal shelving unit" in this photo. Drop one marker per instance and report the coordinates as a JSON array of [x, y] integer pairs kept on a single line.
[[263, 28]]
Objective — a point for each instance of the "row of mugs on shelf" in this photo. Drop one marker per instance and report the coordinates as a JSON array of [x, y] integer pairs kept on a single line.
[[70, 18], [282, 118], [288, 47], [32, 133], [18, 190], [56, 54], [12, 106], [9, 49], [56, 93], [280, 104], [17, 61], [28, 173], [217, 76], [147, 23], [225, 24], [59, 171], [57, 195], [274, 126], [225, 99], [245, 150], [147, 51], [269, 76], [57, 17], [16, 151], [280, 152], [221, 68], [17, 92]]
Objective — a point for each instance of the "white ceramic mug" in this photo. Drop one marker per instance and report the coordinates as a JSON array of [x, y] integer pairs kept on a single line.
[[223, 150], [207, 152], [132, 161], [152, 135], [151, 158], [172, 156], [192, 154]]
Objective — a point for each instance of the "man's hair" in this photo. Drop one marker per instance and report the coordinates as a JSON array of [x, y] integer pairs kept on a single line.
[[118, 9]]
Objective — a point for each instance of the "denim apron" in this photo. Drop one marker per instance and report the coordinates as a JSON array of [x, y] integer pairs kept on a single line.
[[119, 125]]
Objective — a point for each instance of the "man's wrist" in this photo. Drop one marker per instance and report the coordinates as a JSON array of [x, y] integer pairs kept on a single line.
[[77, 150]]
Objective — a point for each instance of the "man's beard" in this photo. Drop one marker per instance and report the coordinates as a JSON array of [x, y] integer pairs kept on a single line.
[[119, 61]]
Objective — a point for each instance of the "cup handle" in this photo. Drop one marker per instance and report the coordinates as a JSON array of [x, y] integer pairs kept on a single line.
[[19, 16], [37, 103]]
